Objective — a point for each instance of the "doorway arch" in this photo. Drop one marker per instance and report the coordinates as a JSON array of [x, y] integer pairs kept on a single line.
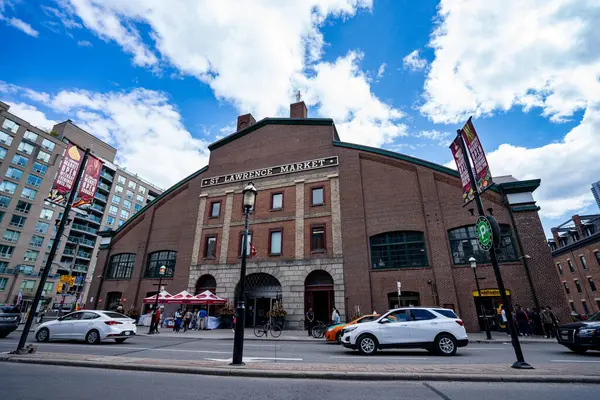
[[319, 295], [206, 282], [262, 290], [112, 298]]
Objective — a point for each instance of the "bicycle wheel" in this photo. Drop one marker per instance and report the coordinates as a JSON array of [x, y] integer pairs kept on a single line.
[[259, 330], [276, 331]]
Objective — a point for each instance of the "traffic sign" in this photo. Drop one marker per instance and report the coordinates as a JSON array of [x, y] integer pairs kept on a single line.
[[485, 237]]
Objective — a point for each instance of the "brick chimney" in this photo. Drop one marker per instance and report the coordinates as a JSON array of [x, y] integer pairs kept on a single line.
[[298, 110], [555, 236], [578, 226], [245, 121]]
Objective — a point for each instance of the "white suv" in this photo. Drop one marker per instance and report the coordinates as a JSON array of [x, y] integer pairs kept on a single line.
[[436, 329]]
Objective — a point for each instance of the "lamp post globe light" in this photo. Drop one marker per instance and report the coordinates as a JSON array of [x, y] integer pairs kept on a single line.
[[154, 322], [473, 264], [249, 198]]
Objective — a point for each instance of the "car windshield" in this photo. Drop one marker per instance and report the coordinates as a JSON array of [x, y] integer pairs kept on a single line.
[[595, 317], [446, 313], [10, 310], [111, 314]]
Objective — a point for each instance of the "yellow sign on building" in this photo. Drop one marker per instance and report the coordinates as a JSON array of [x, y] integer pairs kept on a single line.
[[489, 293]]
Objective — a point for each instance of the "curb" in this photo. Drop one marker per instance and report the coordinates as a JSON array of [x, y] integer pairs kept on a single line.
[[362, 376]]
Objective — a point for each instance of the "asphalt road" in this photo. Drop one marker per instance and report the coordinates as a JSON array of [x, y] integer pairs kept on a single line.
[[306, 352], [33, 382]]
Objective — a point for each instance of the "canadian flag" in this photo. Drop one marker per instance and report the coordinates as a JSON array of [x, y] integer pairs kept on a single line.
[[252, 250]]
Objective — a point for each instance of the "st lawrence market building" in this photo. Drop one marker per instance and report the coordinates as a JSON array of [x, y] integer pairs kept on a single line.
[[334, 225]]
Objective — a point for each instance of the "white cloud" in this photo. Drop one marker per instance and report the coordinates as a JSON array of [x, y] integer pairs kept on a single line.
[[381, 71], [442, 138], [413, 62], [84, 43], [32, 115], [22, 26]]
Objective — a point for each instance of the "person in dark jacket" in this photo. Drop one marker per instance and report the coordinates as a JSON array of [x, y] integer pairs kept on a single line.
[[522, 321]]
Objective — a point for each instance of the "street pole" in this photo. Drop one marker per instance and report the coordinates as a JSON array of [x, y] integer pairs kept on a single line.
[[59, 232], [520, 363], [238, 341], [488, 334]]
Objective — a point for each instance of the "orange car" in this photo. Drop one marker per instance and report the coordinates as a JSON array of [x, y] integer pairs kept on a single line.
[[333, 333]]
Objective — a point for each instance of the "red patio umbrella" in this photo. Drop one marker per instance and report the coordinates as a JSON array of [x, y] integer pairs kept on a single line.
[[183, 297], [208, 298], [163, 296]]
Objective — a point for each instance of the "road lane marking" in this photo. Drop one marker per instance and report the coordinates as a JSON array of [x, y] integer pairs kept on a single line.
[[575, 361], [254, 359], [383, 357]]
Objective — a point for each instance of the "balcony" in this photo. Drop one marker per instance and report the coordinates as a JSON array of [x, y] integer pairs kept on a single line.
[[9, 271], [84, 255], [104, 186], [107, 176], [83, 228], [82, 241], [100, 197], [98, 208], [68, 252], [80, 268]]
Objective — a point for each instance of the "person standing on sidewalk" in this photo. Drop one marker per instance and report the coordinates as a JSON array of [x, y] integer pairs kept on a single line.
[[186, 320], [504, 319], [202, 318], [523, 321], [547, 323], [555, 320], [335, 316], [310, 320]]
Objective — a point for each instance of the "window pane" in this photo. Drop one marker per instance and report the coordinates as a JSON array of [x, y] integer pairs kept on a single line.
[[158, 259], [17, 221], [36, 241], [121, 179], [30, 136], [131, 185], [4, 201], [28, 193], [23, 206], [39, 168], [398, 250], [10, 125], [139, 198], [215, 209], [277, 201], [317, 196], [583, 262], [116, 199], [34, 180], [275, 242], [317, 239], [25, 148], [11, 236], [121, 266], [119, 189], [113, 210], [8, 187], [124, 214], [211, 247], [42, 227], [127, 204], [141, 189], [421, 315], [14, 173], [20, 160], [47, 144], [129, 195], [3, 152]]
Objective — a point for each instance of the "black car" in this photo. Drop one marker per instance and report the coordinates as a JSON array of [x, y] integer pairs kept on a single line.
[[581, 336], [9, 320]]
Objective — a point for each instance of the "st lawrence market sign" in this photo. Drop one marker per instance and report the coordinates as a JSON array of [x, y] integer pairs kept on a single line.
[[272, 171]]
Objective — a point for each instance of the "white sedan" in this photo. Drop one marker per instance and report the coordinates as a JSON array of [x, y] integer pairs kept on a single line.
[[92, 326]]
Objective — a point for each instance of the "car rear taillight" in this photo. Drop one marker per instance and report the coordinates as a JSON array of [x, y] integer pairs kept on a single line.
[[112, 322], [459, 321]]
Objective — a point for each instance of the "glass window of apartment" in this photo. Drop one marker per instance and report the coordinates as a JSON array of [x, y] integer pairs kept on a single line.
[[48, 286], [121, 266], [3, 282], [5, 139], [23, 207], [141, 189], [34, 180], [48, 145], [158, 259], [11, 236], [31, 255], [129, 195], [36, 241], [571, 267], [17, 221], [127, 204], [50, 243], [592, 283], [566, 286], [20, 160], [28, 193], [39, 168], [3, 266], [318, 196], [597, 255], [42, 227], [277, 201], [121, 179], [398, 250], [1, 215], [2, 153], [139, 198], [10, 125], [137, 207], [124, 214], [26, 269], [317, 239], [25, 148], [30, 136], [27, 285], [43, 156], [110, 220], [248, 250], [6, 251], [583, 262], [116, 199], [121, 222], [577, 285], [210, 250], [4, 201], [215, 209], [275, 242], [560, 269], [463, 245], [131, 185], [8, 187], [586, 310], [46, 213], [14, 173], [118, 189], [113, 210]]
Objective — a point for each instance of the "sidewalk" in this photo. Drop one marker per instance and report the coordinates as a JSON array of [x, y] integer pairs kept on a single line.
[[340, 371]]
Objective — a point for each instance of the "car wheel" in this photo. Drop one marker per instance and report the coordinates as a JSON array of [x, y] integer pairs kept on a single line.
[[43, 335], [338, 338], [119, 341], [4, 334], [367, 345], [577, 349], [445, 345], [92, 337]]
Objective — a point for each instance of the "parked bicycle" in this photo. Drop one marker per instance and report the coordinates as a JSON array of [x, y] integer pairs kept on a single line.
[[266, 328], [318, 331]]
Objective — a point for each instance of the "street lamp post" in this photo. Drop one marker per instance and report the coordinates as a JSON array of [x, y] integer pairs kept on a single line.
[[249, 195], [153, 322], [473, 264]]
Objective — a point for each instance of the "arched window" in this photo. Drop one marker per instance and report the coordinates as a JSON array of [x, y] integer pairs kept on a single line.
[[463, 245], [121, 266], [158, 259], [206, 282], [398, 250]]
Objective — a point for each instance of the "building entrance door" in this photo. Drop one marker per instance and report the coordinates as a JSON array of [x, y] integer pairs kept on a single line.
[[488, 306], [319, 295], [262, 290]]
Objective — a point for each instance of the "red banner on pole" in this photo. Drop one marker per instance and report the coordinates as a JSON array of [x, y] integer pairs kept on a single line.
[[89, 182], [459, 158], [483, 176], [65, 177]]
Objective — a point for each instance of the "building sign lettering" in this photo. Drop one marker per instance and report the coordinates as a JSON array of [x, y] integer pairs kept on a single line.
[[271, 171]]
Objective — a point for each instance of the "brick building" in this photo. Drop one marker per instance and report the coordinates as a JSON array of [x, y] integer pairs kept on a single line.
[[575, 248], [335, 224]]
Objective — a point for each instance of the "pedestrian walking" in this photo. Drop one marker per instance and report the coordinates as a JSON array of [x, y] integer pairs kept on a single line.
[[178, 320], [522, 321], [202, 316], [504, 319], [186, 320], [547, 323], [310, 320], [335, 316], [41, 316]]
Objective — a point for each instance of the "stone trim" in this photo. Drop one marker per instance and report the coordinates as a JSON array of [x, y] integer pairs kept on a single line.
[[299, 220], [198, 231], [336, 215], [226, 226]]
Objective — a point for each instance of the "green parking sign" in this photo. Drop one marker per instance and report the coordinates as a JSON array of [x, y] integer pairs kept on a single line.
[[485, 237]]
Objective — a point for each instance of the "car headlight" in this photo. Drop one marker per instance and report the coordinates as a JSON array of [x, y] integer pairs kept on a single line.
[[350, 329], [588, 332]]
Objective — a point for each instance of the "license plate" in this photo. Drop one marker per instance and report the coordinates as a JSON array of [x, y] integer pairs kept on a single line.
[[127, 333]]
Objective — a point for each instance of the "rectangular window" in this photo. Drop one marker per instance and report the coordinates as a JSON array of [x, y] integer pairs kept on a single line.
[[8, 187], [317, 239], [248, 250], [139, 198], [586, 310], [48, 287], [6, 251], [566, 285], [577, 285], [11, 236], [116, 199], [25, 148], [275, 242], [48, 145], [137, 207], [110, 220], [17, 221], [36, 241], [46, 213], [2, 153], [121, 222], [571, 267], [597, 254], [399, 249], [560, 269], [34, 180], [31, 255], [210, 250], [3, 282], [23, 207], [583, 262], [14, 173], [30, 136], [141, 189], [127, 204], [39, 168], [118, 189], [215, 209], [5, 139], [129, 195], [121, 266], [131, 185], [592, 284], [121, 179], [277, 201], [318, 196], [20, 160], [2, 215], [42, 227], [10, 125], [124, 214], [4, 201], [28, 193], [43, 156], [113, 210], [27, 285]]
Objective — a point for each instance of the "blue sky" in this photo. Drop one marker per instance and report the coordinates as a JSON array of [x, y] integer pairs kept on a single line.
[[161, 81]]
